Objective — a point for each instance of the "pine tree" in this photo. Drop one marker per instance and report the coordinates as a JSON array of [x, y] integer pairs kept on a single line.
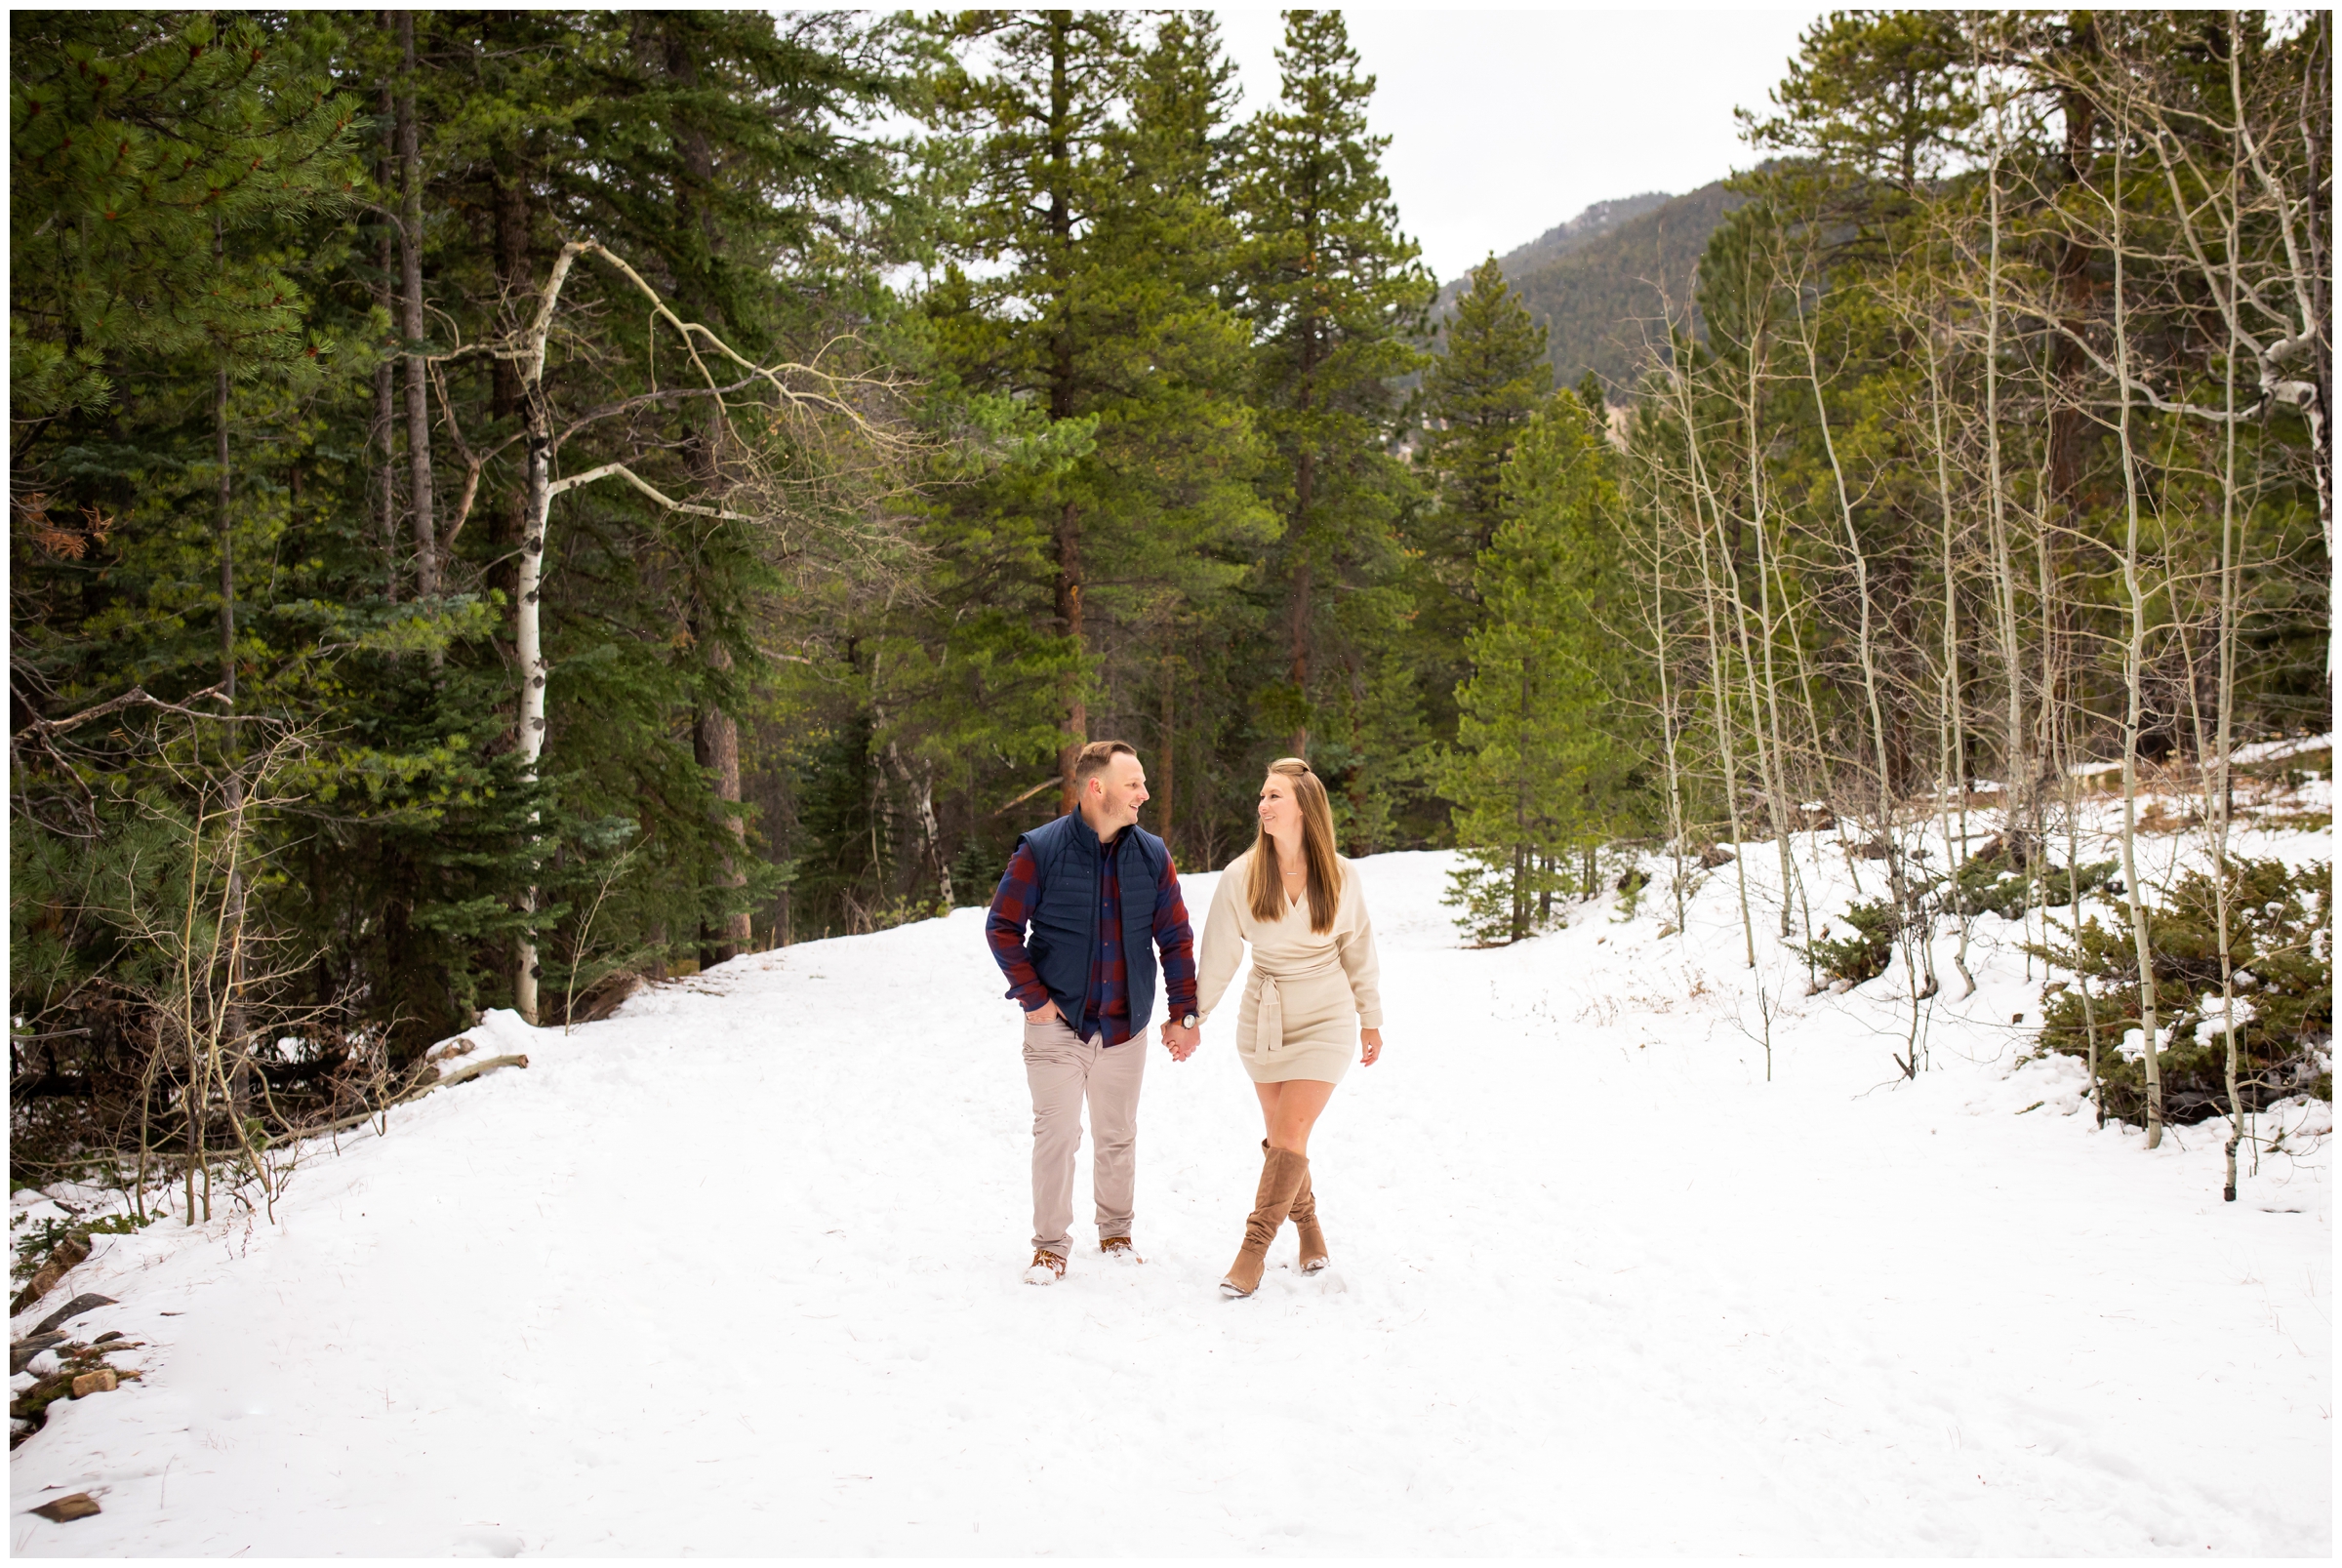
[[148, 154], [1098, 155], [1335, 297], [1542, 775], [1477, 397], [414, 839]]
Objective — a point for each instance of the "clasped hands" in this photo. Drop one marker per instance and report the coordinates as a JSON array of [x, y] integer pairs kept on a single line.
[[1180, 1042]]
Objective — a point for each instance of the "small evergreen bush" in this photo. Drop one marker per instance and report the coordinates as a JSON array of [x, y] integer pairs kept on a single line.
[[2280, 946], [1863, 955], [1991, 881]]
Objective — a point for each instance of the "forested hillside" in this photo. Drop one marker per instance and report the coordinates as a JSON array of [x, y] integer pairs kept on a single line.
[[1601, 283], [1597, 220], [505, 506]]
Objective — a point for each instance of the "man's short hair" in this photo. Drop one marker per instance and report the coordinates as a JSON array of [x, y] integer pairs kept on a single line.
[[1091, 759]]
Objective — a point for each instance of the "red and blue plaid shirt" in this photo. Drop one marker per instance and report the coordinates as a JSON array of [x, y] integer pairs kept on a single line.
[[1109, 1006]]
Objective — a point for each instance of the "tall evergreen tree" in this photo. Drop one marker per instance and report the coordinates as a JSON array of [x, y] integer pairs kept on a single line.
[[1099, 151], [1478, 396], [402, 870], [1336, 299], [1545, 771]]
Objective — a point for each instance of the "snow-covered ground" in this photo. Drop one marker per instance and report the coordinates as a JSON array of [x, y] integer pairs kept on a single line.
[[736, 1272]]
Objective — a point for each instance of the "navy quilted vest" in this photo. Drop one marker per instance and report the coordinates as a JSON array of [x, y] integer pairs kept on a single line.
[[1063, 942]]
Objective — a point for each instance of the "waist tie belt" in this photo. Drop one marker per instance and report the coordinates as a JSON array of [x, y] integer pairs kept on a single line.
[[1268, 1011]]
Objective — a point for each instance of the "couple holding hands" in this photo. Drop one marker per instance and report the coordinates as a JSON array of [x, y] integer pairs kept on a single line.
[[1086, 906]]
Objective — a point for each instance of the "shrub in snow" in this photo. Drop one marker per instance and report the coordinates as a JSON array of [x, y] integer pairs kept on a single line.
[[2283, 978], [1994, 881], [1864, 955]]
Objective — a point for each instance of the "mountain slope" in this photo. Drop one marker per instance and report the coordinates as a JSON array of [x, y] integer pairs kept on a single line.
[[1561, 239], [1595, 281], [1602, 302]]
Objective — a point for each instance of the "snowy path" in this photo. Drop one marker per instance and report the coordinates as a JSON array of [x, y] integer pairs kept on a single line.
[[736, 1272]]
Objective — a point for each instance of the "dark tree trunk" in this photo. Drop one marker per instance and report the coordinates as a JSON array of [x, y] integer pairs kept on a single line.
[[2069, 425], [412, 326]]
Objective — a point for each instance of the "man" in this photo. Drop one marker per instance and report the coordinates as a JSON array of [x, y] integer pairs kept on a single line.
[[1101, 896]]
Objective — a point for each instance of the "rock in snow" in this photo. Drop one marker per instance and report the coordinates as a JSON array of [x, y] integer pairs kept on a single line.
[[1598, 1287]]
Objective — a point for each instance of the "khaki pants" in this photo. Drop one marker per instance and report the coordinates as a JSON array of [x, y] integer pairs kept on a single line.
[[1062, 1069]]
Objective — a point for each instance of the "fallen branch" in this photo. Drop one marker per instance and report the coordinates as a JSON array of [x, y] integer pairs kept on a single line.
[[475, 1070]]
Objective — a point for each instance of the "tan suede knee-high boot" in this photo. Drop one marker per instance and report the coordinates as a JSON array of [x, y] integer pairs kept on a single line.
[[1304, 1221], [1281, 1175]]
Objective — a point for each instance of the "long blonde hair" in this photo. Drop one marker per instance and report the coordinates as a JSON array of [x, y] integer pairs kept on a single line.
[[1316, 853]]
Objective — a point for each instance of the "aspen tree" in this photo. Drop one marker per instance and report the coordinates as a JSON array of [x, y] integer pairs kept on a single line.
[[1662, 656], [1764, 713], [2016, 785], [1884, 806], [1952, 744], [2135, 659], [1703, 500], [779, 392], [2218, 794], [1719, 686]]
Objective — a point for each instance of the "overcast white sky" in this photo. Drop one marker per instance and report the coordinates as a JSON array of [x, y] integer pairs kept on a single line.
[[1504, 123]]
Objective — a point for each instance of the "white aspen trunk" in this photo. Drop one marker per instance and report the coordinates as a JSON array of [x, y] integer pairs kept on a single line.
[[1764, 713], [1764, 612], [2061, 757], [1766, 772], [922, 800], [2211, 774], [2017, 786], [700, 345], [2216, 802], [239, 1088], [2135, 659], [1718, 660], [528, 631], [1821, 761], [1789, 880], [2044, 593], [1950, 742], [528, 636], [1667, 719], [1870, 681], [1718, 682], [2308, 272], [1772, 582]]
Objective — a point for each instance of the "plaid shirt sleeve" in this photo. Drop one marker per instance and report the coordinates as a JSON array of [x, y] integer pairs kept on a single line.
[[1004, 929], [1175, 940]]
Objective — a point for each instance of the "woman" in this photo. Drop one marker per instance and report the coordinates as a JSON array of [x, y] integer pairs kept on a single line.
[[1314, 986]]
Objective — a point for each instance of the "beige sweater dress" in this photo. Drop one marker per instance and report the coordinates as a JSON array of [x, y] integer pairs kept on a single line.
[[1309, 992]]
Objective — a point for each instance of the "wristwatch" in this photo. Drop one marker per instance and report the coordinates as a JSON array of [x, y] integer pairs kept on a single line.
[[1188, 1023]]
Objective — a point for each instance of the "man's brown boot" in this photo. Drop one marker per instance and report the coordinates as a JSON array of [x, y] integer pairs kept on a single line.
[[1282, 1174], [1304, 1221]]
